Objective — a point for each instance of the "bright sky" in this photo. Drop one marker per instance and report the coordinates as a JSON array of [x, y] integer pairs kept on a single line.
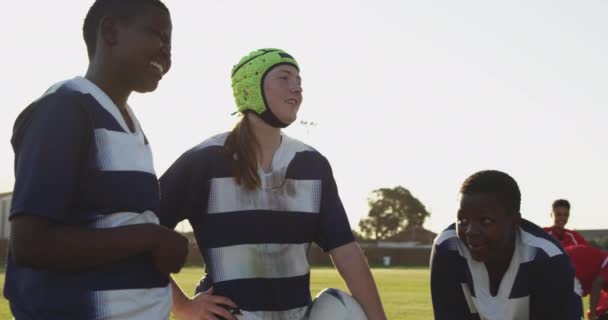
[[414, 93]]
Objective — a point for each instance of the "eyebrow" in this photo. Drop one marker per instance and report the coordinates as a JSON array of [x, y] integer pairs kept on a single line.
[[289, 73]]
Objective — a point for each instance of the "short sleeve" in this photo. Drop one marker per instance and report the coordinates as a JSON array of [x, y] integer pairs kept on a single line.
[[183, 190], [334, 228], [50, 140]]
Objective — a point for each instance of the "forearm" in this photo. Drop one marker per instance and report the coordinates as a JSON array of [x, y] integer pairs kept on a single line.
[[179, 297], [353, 267], [594, 294], [65, 248]]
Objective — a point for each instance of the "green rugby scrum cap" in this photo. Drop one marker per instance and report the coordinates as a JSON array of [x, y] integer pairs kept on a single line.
[[248, 79]]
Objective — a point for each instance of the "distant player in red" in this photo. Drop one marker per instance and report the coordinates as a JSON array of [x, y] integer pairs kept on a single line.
[[560, 214], [591, 265]]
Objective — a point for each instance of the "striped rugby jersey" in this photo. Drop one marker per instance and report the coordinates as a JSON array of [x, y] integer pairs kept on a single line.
[[539, 283], [255, 243], [77, 163]]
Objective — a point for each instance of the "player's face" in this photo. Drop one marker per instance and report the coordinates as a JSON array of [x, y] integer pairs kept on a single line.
[[283, 92], [143, 49], [560, 216], [486, 227]]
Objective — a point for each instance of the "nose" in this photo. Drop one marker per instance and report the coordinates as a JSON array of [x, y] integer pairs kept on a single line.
[[296, 87], [472, 228]]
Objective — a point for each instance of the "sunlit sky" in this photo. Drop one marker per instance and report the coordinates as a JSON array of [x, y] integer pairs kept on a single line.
[[414, 93]]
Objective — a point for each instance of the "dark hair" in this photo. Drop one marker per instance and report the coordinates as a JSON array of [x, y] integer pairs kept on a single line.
[[123, 9], [561, 203], [242, 152], [498, 183]]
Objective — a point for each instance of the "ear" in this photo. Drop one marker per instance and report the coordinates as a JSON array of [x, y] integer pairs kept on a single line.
[[108, 31]]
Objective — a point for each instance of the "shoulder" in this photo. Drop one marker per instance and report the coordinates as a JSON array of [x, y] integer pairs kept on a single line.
[[200, 156], [293, 149], [296, 145], [211, 147], [62, 102], [448, 255], [576, 234], [59, 108], [217, 140], [535, 237], [542, 250], [301, 160], [447, 240]]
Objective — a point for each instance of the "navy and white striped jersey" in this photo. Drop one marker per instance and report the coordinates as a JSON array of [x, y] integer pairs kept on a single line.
[[538, 285], [255, 243], [77, 163]]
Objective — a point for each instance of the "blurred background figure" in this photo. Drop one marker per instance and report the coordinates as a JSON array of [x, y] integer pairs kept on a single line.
[[560, 214], [591, 265]]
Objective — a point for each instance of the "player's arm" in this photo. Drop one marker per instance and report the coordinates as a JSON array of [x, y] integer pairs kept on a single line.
[[52, 144], [594, 296], [335, 236], [449, 302], [552, 292], [353, 267], [184, 190], [204, 305], [37, 242]]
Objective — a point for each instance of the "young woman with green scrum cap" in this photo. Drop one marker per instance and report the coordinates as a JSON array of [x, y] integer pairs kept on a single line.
[[256, 200]]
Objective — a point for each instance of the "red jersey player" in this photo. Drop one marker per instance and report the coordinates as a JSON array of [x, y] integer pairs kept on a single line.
[[591, 265], [560, 214]]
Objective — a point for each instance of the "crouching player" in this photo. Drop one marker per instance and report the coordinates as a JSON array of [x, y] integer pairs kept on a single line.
[[492, 264]]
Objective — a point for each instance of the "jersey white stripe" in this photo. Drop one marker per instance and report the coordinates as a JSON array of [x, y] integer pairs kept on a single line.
[[120, 151], [268, 261], [124, 219], [445, 236], [293, 314], [134, 304], [227, 196], [547, 246]]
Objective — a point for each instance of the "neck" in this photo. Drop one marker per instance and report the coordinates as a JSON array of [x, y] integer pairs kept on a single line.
[[107, 80], [268, 137], [500, 264]]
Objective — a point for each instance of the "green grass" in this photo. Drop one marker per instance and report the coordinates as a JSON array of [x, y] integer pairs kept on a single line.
[[405, 292]]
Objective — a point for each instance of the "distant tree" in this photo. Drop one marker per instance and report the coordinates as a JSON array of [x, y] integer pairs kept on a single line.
[[359, 236], [391, 211]]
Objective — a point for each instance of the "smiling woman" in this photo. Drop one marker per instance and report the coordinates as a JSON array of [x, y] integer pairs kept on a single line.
[[83, 234], [492, 264], [256, 200]]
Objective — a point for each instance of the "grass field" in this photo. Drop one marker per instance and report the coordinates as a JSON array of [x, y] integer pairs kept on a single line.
[[404, 291]]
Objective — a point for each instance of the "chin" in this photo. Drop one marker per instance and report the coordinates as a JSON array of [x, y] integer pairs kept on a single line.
[[146, 87], [289, 119]]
